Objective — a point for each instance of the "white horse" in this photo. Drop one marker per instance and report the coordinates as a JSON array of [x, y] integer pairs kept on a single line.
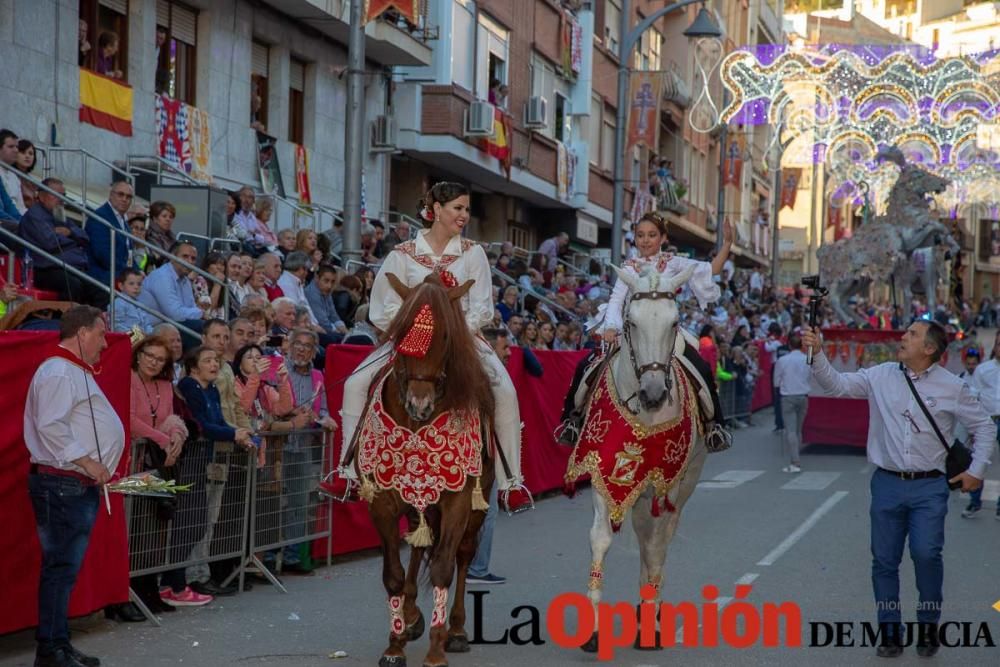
[[646, 377]]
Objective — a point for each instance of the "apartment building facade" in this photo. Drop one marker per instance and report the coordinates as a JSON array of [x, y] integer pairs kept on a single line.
[[237, 65]]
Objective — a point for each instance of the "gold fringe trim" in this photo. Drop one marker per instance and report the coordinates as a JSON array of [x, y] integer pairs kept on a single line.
[[478, 501], [367, 490], [422, 536]]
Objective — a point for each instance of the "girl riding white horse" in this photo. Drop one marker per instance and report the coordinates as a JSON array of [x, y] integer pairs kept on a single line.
[[650, 236]]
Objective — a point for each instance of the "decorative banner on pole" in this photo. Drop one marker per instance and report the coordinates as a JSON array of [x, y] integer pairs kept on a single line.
[[270, 171], [410, 9], [302, 174], [644, 110], [732, 173], [790, 178]]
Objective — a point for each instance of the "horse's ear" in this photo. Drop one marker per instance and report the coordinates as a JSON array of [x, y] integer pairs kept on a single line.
[[402, 290], [626, 277], [680, 279], [458, 292]]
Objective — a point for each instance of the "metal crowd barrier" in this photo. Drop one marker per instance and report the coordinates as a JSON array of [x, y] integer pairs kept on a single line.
[[285, 501], [735, 401], [253, 506]]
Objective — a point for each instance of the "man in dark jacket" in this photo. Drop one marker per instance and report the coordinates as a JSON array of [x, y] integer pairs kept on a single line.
[[45, 226], [99, 250]]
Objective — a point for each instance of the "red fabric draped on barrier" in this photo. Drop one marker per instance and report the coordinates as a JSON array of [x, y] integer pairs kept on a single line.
[[836, 421], [543, 461], [762, 389], [103, 579]]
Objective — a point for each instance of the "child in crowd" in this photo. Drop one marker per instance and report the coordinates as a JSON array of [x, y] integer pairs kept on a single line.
[[128, 315]]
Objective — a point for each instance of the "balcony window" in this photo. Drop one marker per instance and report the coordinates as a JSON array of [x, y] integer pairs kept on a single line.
[[103, 37], [492, 51], [296, 101], [259, 54], [463, 41], [176, 41], [612, 25]]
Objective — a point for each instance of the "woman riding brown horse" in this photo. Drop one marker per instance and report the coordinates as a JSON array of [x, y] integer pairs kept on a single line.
[[436, 392]]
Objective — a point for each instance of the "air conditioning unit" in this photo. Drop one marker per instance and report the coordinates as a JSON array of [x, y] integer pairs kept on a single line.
[[479, 119], [535, 113], [383, 137]]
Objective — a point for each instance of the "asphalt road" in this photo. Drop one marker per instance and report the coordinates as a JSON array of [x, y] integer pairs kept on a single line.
[[800, 538]]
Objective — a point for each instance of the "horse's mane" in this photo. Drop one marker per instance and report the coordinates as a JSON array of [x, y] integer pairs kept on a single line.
[[467, 387]]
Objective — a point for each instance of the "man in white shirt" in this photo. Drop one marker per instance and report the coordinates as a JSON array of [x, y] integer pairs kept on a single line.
[[11, 183], [909, 488], [75, 439], [293, 280], [985, 382], [756, 284], [791, 378]]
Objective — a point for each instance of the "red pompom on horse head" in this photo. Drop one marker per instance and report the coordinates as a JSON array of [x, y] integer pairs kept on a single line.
[[448, 278], [417, 341]]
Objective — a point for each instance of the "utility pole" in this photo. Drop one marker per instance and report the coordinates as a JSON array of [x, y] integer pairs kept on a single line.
[[354, 133], [703, 26]]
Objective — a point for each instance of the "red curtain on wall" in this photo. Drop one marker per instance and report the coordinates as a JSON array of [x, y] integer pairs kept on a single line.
[[103, 579]]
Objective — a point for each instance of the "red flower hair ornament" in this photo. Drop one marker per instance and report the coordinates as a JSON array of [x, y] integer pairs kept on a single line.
[[417, 340]]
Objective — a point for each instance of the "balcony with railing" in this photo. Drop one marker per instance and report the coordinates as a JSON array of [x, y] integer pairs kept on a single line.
[[389, 40]]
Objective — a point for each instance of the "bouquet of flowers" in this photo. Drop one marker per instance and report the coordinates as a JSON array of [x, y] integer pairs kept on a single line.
[[147, 483]]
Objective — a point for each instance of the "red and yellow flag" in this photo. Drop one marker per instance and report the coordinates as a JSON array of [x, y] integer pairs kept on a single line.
[[499, 145], [105, 102], [410, 9]]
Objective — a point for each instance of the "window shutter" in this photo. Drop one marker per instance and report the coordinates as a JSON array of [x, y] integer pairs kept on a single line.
[[184, 25], [163, 13], [297, 75], [120, 6], [258, 60]]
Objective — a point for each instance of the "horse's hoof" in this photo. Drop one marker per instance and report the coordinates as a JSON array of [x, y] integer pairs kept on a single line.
[[415, 631], [392, 661], [457, 644], [591, 645], [655, 647]]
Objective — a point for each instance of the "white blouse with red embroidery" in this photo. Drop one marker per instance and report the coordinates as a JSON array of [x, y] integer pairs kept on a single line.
[[668, 265], [412, 261]]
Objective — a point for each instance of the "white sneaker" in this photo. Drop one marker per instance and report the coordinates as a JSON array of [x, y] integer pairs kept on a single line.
[[791, 468]]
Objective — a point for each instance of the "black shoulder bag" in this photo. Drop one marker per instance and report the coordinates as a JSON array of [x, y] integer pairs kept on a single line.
[[959, 457]]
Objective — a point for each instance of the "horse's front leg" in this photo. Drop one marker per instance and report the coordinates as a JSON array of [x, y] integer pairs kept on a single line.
[[412, 615], [455, 509], [600, 542], [385, 510], [458, 639]]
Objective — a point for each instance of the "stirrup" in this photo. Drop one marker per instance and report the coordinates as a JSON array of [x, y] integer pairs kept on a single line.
[[568, 431], [516, 500], [336, 486], [718, 439]]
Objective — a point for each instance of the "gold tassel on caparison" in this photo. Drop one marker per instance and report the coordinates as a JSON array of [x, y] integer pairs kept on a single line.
[[367, 490], [478, 502], [422, 536]]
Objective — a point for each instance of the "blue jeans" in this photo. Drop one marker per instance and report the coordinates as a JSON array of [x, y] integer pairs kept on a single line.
[[907, 508], [480, 565], [65, 510]]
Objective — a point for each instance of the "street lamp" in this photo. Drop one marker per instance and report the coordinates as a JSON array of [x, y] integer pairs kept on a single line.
[[704, 26]]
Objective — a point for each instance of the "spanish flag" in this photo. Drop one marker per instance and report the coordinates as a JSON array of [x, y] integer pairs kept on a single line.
[[499, 145], [105, 102]]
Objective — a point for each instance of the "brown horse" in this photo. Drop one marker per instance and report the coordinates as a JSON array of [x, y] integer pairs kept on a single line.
[[447, 380]]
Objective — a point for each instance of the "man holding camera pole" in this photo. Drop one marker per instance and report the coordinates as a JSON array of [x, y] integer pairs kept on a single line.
[[914, 405]]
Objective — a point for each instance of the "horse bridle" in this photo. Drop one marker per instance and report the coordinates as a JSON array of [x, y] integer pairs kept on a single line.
[[405, 378], [653, 365]]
